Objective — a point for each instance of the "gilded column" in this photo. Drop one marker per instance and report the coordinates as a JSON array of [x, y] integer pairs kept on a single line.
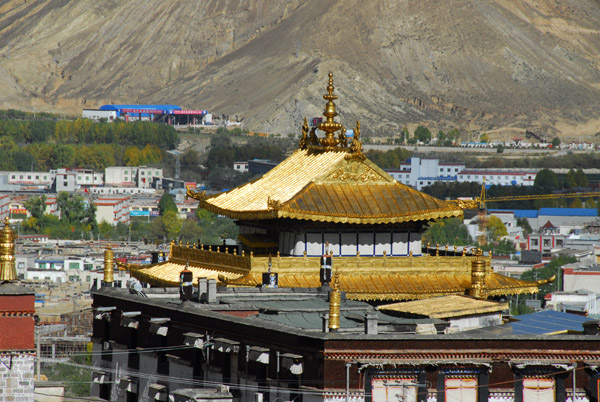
[[477, 277], [109, 260], [8, 270], [335, 299]]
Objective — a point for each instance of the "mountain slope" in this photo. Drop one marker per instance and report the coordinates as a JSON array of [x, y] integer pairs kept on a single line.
[[476, 64]]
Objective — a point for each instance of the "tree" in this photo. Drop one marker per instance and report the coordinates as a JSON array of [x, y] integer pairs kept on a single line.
[[450, 231], [404, 135], [495, 228], [36, 206], [166, 204], [484, 138], [555, 142], [454, 135], [172, 224], [552, 269], [546, 180], [423, 134]]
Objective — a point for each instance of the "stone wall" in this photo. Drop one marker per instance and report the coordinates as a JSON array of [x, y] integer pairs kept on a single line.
[[16, 376]]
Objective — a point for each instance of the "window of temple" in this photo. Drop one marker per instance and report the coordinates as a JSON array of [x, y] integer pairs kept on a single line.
[[539, 389], [462, 389], [393, 389]]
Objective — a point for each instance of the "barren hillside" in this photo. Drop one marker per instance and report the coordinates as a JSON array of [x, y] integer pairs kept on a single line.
[[494, 65]]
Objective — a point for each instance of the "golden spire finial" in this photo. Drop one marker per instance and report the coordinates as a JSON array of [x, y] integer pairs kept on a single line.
[[335, 300], [109, 260], [8, 271], [329, 125]]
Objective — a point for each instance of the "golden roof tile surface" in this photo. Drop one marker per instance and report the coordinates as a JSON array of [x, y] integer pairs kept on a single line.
[[447, 306], [381, 286], [328, 186], [167, 274]]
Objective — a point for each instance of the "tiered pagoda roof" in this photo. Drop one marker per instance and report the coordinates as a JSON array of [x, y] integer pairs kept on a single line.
[[329, 180]]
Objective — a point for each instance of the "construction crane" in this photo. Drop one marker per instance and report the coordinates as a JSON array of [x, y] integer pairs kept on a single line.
[[481, 201]]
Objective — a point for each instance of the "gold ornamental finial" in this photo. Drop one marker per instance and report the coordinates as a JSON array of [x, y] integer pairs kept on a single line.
[[109, 259], [8, 271], [335, 300], [478, 276], [329, 125]]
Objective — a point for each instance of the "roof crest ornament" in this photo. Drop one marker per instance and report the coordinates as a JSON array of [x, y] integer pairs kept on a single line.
[[330, 142]]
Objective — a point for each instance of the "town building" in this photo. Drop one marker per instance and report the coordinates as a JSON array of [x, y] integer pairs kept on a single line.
[[112, 210], [419, 173], [241, 167]]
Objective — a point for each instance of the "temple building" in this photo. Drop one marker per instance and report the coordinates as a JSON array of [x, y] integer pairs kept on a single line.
[[296, 311], [17, 347], [328, 199]]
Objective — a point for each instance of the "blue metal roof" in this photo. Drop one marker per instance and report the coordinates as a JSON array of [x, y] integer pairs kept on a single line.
[[526, 213], [547, 322], [569, 211], [157, 107]]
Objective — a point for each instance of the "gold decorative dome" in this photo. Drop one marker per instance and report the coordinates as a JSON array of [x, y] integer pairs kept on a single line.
[[8, 271]]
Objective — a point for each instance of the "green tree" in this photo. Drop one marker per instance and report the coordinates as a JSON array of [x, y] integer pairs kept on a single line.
[[404, 135], [36, 206], [484, 138], [423, 134], [450, 231], [555, 142], [173, 224], [166, 204], [551, 269], [546, 180], [495, 229], [454, 135]]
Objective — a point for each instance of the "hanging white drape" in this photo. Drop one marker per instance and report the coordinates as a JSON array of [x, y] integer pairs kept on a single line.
[[463, 389], [538, 390], [394, 389]]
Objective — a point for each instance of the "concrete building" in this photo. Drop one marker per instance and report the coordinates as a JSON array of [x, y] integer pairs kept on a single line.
[[97, 115], [419, 173], [241, 167], [142, 177], [112, 210], [65, 181], [45, 179], [504, 177]]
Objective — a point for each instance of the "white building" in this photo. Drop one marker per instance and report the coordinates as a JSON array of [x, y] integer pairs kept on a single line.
[[113, 190], [112, 210], [241, 167], [31, 178], [419, 173], [132, 176], [96, 114], [505, 177]]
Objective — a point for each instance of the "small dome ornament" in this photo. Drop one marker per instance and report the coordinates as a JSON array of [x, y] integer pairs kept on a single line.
[[330, 142], [8, 271]]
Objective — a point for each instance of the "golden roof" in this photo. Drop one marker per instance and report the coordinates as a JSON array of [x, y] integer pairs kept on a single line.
[[447, 306], [362, 278], [381, 286], [327, 187], [328, 180], [167, 274]]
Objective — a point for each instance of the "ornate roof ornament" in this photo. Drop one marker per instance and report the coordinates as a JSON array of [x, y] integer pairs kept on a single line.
[[8, 271], [331, 141]]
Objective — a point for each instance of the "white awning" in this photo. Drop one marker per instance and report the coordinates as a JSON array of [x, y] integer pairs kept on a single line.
[[292, 362], [258, 354]]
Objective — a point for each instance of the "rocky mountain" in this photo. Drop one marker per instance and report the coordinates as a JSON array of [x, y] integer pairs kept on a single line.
[[500, 66]]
